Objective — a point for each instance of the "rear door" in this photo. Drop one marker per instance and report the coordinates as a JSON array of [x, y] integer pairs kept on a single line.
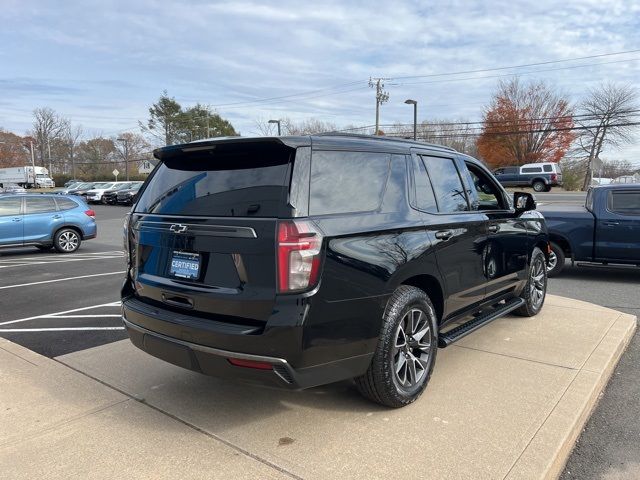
[[204, 229], [11, 226], [458, 231], [41, 219], [618, 227]]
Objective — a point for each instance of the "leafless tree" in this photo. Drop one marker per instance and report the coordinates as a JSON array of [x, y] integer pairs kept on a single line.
[[47, 126], [71, 138], [309, 126], [132, 148], [606, 118]]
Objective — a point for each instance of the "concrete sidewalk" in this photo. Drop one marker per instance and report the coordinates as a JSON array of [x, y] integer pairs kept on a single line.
[[506, 402]]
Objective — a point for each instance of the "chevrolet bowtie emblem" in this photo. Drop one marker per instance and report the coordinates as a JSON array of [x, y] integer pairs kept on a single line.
[[178, 228]]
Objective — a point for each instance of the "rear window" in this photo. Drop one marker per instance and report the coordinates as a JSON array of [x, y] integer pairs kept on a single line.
[[625, 203], [40, 205], [531, 170], [66, 204], [548, 168], [347, 182], [226, 182]]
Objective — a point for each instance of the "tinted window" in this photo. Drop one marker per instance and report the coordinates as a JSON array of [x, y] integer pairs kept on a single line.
[[625, 203], [344, 182], [66, 204], [547, 168], [531, 170], [450, 195], [237, 183], [486, 194], [425, 198], [10, 206], [40, 205]]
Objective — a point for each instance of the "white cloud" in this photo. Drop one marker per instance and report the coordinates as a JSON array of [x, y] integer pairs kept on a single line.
[[226, 52]]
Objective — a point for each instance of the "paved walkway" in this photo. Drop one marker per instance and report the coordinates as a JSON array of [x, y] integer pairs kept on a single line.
[[506, 402]]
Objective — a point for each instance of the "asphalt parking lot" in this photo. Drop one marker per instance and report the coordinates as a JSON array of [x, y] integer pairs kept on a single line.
[[56, 304]]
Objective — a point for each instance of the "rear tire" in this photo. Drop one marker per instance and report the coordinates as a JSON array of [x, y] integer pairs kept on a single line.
[[556, 260], [406, 351], [66, 240], [539, 186], [535, 290]]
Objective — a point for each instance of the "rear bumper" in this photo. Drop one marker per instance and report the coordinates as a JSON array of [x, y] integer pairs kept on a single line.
[[283, 344]]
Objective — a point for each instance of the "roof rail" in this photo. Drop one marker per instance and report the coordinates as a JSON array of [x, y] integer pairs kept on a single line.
[[383, 138]]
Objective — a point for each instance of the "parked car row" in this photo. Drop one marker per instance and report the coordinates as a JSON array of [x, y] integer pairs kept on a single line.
[[107, 193]]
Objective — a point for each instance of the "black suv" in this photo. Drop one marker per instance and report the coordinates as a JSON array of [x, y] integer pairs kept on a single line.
[[300, 261]]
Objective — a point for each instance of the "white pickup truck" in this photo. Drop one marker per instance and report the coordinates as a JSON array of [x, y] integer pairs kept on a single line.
[[24, 176]]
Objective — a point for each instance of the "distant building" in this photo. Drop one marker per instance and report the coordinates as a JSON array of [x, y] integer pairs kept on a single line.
[[145, 167]]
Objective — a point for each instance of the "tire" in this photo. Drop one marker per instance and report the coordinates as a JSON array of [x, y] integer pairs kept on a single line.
[[548, 188], [66, 240], [539, 186], [535, 290], [556, 260], [390, 380]]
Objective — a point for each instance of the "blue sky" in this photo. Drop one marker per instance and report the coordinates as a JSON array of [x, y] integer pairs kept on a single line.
[[102, 64]]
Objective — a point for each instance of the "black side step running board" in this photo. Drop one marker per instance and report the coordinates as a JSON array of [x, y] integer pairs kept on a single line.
[[455, 334]]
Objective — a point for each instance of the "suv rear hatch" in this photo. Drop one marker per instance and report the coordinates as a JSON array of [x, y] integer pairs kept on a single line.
[[202, 236]]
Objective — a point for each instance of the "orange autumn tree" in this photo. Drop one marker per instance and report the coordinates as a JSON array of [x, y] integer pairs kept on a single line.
[[525, 124]]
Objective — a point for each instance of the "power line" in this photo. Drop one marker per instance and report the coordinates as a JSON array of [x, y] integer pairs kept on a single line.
[[442, 74], [569, 67], [482, 70]]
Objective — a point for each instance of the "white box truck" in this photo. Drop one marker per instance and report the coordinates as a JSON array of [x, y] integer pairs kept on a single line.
[[24, 176]]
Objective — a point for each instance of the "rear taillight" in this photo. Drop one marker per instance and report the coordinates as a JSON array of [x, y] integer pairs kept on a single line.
[[299, 244], [90, 213], [554, 177]]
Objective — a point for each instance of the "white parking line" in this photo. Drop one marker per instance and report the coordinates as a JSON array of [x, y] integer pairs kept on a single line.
[[54, 315], [62, 280], [80, 316], [25, 262], [57, 255], [63, 329]]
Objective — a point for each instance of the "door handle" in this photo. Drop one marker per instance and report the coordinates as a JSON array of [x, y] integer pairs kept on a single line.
[[56, 217], [610, 224], [17, 219], [444, 234], [494, 228]]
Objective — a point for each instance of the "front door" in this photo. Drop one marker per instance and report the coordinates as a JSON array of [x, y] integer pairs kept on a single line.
[[507, 243], [11, 226]]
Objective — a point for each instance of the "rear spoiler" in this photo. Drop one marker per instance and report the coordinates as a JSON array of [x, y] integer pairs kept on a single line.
[[225, 144]]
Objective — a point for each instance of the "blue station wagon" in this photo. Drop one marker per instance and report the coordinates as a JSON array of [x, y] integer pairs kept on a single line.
[[45, 221]]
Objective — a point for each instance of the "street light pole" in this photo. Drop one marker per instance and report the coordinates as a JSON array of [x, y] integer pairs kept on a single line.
[[278, 122], [415, 116], [125, 141]]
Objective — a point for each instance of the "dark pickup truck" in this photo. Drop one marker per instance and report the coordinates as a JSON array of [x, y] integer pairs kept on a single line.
[[606, 230]]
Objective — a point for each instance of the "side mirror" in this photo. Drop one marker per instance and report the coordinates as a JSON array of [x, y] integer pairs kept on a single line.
[[524, 201]]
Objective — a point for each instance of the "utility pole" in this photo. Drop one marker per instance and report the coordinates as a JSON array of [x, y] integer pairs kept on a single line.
[[381, 97], [49, 149], [33, 164]]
